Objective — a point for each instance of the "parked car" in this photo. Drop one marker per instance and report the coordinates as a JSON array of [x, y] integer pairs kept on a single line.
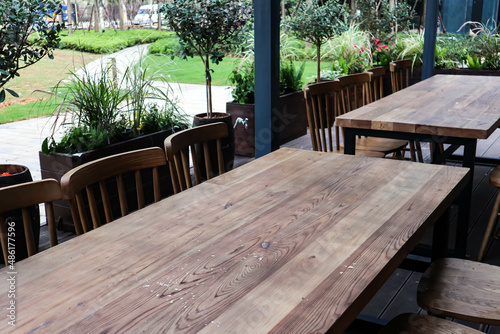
[[147, 15]]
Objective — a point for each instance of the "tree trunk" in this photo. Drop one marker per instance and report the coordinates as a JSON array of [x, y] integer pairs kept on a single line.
[[70, 17], [122, 12], [208, 82], [101, 15], [96, 16], [318, 58]]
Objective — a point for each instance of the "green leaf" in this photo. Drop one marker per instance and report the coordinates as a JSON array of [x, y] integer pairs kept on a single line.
[[45, 146], [2, 95], [11, 92]]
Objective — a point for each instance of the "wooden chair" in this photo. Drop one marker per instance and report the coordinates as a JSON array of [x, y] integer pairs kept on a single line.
[[400, 79], [323, 105], [400, 74], [412, 323], [494, 180], [461, 289], [355, 93], [197, 140], [85, 178], [376, 83], [22, 196]]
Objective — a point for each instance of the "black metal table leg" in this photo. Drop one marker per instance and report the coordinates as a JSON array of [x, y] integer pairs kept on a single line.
[[464, 201], [349, 141]]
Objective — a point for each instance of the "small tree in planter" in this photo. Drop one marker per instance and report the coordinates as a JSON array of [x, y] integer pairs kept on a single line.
[[25, 36], [317, 22], [207, 28]]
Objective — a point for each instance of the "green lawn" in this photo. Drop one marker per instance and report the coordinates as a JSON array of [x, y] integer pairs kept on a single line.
[[41, 76], [191, 70], [47, 73]]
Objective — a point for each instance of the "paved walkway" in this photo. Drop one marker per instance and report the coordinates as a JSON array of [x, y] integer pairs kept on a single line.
[[21, 141]]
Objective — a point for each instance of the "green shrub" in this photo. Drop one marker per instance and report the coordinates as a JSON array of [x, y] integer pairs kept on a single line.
[[110, 40], [350, 53], [410, 46], [167, 45]]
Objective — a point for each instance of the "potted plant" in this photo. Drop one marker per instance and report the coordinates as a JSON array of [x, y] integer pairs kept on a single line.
[[349, 51], [317, 22], [25, 38], [208, 28], [293, 122], [102, 117]]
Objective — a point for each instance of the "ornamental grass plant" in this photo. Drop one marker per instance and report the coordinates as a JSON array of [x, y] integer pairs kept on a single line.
[[98, 109]]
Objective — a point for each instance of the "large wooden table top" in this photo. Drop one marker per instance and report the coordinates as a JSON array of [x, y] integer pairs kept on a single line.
[[444, 105], [294, 242]]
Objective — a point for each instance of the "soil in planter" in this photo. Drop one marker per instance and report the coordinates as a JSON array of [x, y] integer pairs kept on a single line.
[[12, 175]]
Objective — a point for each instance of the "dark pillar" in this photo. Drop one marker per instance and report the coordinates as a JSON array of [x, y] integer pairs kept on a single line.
[[431, 14], [267, 63], [455, 15], [477, 10]]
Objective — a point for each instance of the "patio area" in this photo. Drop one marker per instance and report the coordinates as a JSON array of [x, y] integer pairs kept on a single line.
[[398, 295]]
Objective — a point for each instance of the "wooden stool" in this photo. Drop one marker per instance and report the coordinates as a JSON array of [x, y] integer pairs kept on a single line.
[[411, 323], [461, 289], [494, 180]]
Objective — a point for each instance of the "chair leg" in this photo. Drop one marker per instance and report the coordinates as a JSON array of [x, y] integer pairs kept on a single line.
[[418, 148], [489, 227], [411, 144]]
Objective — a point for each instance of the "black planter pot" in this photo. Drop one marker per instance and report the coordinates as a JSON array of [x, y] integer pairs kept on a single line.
[[20, 174], [227, 144]]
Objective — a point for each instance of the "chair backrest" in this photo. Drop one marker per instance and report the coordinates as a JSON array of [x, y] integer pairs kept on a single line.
[[85, 178], [195, 143], [376, 83], [322, 105], [22, 196], [400, 74], [355, 91]]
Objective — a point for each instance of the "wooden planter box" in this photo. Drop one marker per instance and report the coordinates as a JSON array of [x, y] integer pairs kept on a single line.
[[293, 122], [56, 165]]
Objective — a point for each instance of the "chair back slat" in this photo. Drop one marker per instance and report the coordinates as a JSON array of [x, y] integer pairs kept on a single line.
[[49, 213], [105, 201], [321, 100], [23, 196], [94, 213], [140, 191], [355, 91], [220, 156], [81, 182], [195, 142], [376, 83], [28, 232], [400, 74]]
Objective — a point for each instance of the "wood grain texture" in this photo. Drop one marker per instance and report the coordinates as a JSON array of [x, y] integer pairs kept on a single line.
[[425, 324], [80, 181], [461, 289], [180, 145], [443, 105], [22, 196], [293, 242]]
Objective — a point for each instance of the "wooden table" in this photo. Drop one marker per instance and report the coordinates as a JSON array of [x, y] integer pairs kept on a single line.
[[294, 242], [451, 109]]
